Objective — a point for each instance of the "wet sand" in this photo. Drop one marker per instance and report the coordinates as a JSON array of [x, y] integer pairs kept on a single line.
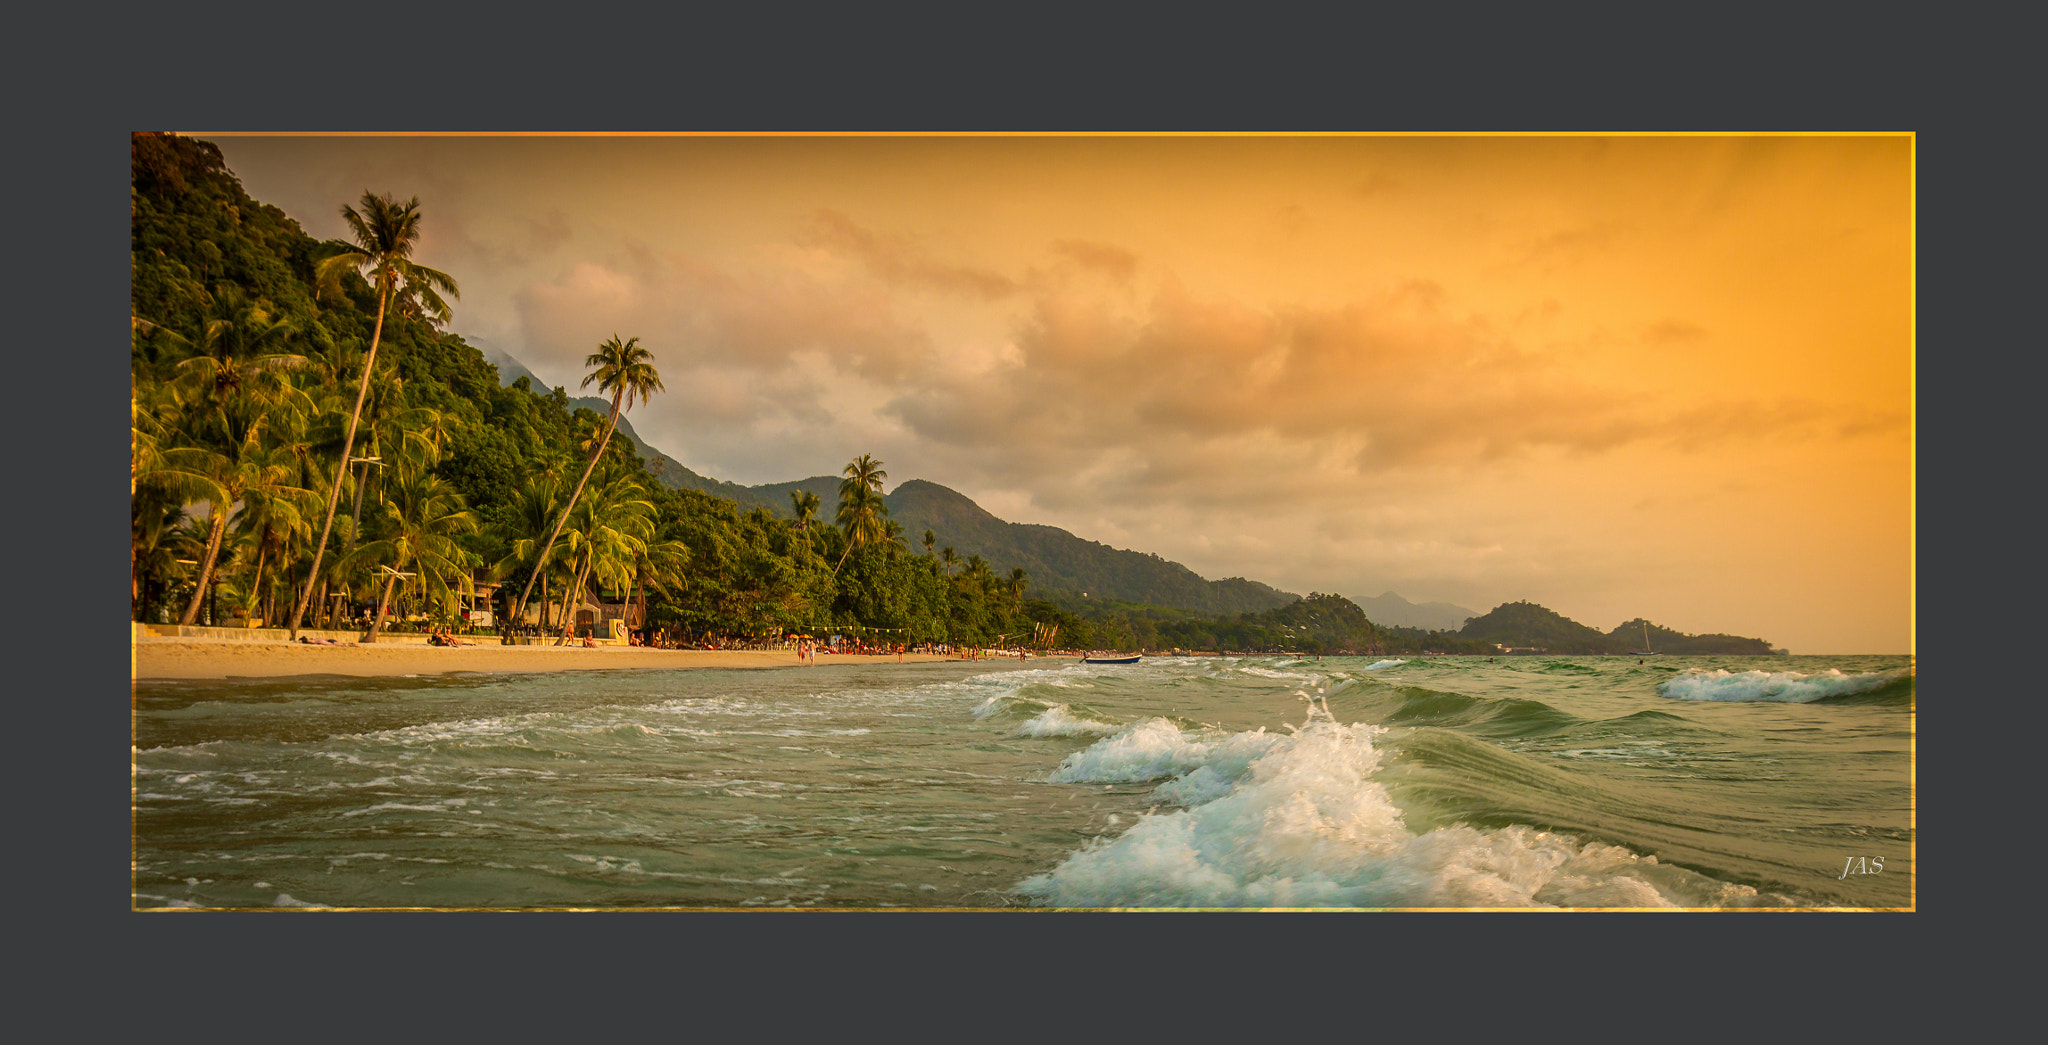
[[164, 658]]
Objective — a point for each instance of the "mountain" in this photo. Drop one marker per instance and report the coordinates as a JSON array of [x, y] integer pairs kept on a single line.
[[1053, 559], [1399, 612], [509, 369], [1530, 625], [1527, 624], [1664, 640], [1056, 560]]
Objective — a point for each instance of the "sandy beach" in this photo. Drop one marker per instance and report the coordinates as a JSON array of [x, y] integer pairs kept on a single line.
[[163, 658]]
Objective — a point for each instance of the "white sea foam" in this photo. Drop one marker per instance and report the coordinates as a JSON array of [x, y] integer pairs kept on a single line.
[[1152, 749], [1060, 721], [1267, 673], [1384, 664], [1789, 687], [1275, 820]]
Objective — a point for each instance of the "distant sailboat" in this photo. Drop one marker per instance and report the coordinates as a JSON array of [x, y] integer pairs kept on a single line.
[[1646, 651]]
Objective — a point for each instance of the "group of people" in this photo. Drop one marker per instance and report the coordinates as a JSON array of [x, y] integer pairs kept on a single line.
[[441, 637]]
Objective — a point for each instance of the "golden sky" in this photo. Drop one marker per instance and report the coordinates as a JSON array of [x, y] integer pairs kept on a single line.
[[1668, 376]]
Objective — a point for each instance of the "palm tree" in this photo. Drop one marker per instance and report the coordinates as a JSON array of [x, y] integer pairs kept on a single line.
[[612, 531], [236, 357], [532, 517], [805, 504], [627, 371], [930, 539], [1017, 579], [385, 232], [418, 520], [861, 510], [248, 467]]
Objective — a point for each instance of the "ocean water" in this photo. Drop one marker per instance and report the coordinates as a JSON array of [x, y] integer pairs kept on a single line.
[[1180, 782]]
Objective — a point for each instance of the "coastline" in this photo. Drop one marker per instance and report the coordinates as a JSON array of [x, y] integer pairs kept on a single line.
[[167, 658]]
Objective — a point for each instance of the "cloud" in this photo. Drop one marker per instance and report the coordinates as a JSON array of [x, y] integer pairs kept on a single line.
[[902, 260], [1113, 261], [1673, 332], [693, 313]]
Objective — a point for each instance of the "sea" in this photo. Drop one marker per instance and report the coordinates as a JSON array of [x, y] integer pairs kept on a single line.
[[1180, 782]]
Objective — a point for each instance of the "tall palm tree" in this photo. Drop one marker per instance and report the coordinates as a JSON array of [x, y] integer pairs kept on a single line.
[[532, 518], [246, 468], [930, 539], [1017, 579], [627, 371], [611, 533], [418, 521], [386, 232], [861, 510]]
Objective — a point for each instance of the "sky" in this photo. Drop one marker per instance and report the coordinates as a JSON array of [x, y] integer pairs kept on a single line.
[[1619, 376]]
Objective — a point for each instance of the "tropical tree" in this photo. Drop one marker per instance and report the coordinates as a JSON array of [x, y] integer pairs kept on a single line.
[[237, 352], [419, 516], [531, 520], [930, 539], [386, 232], [804, 504], [627, 371], [861, 510], [244, 468], [610, 531]]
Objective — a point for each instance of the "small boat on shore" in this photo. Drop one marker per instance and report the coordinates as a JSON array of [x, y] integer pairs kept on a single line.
[[1109, 660]]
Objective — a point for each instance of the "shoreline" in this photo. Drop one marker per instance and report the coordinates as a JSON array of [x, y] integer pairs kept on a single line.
[[170, 659]]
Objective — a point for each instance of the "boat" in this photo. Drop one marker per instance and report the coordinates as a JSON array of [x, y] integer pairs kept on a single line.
[[1646, 651], [1109, 660]]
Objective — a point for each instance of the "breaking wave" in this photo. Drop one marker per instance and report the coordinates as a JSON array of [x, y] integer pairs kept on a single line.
[[1297, 820], [1789, 687]]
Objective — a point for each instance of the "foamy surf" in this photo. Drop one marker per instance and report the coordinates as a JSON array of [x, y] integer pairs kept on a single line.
[[1272, 820], [1060, 721], [1790, 687]]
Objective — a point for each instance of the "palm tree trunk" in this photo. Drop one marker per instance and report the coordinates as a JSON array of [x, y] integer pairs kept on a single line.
[[568, 622], [383, 607], [640, 591], [348, 444], [548, 548], [213, 537], [256, 586]]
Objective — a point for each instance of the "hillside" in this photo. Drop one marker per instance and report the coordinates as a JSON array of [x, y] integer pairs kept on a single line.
[[1059, 561], [1392, 609], [1525, 624]]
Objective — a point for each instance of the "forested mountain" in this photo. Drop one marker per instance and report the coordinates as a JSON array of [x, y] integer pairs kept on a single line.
[[1525, 624]]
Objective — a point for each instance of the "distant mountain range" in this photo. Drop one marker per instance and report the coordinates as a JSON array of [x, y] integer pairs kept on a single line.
[[1433, 616], [1057, 562]]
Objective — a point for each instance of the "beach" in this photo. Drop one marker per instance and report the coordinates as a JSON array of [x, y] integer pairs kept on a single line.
[[161, 658]]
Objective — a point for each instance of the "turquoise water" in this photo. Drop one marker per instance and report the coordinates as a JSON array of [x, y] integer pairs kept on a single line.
[[1181, 782]]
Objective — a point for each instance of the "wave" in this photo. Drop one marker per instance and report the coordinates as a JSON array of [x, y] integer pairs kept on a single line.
[[1061, 721], [1297, 820], [1789, 687]]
